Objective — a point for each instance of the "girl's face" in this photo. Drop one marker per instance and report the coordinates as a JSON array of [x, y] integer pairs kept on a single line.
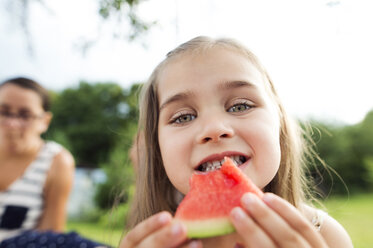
[[22, 118], [212, 105]]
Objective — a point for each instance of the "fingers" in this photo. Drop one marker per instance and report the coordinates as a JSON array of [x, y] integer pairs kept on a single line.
[[273, 222], [253, 235], [172, 235], [146, 227], [156, 231], [295, 219]]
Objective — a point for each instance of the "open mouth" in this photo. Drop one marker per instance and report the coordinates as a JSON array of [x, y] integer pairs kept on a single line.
[[216, 164]]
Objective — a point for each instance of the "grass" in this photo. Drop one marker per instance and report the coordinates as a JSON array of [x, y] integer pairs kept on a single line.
[[356, 216], [354, 213], [96, 232]]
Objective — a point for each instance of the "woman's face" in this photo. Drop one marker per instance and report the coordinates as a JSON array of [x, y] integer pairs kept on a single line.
[[22, 118], [212, 105]]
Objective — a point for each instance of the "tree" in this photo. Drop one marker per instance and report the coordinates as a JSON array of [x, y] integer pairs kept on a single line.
[[125, 8], [123, 11], [87, 120], [119, 167], [97, 123], [348, 151]]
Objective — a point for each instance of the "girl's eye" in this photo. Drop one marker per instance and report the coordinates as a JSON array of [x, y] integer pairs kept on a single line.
[[184, 118], [240, 107]]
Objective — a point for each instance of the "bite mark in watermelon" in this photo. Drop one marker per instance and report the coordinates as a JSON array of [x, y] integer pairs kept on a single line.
[[205, 209]]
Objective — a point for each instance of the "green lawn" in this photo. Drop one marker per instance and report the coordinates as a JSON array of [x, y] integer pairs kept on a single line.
[[96, 232], [354, 213]]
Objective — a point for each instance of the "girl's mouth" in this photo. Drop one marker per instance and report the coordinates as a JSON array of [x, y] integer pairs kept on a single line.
[[216, 164]]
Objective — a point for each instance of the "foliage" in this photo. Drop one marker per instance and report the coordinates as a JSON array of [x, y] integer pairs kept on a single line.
[[97, 232], [118, 167], [125, 8], [108, 9], [116, 216], [348, 151], [119, 173], [97, 123], [87, 120], [113, 217]]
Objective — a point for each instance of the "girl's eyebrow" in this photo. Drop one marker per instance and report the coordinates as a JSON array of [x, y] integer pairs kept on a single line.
[[222, 87], [175, 98]]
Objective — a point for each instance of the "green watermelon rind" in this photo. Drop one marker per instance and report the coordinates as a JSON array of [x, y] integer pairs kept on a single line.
[[208, 228]]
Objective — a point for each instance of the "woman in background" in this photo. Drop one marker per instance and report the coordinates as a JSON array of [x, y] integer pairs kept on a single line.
[[36, 176]]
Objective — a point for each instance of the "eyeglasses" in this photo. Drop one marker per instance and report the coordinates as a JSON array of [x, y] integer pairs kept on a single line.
[[22, 117]]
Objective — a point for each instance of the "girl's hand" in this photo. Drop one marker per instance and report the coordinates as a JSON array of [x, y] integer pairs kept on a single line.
[[158, 231], [273, 222]]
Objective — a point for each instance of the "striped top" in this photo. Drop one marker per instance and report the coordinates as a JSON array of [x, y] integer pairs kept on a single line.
[[21, 205]]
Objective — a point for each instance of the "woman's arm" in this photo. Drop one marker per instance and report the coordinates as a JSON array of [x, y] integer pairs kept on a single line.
[[57, 190]]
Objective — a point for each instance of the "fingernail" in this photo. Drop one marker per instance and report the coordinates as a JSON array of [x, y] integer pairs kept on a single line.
[[267, 198], [194, 244], [238, 213], [164, 218], [176, 229], [248, 199]]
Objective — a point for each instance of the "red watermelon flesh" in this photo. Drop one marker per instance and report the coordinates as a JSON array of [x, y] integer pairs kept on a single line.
[[205, 209]]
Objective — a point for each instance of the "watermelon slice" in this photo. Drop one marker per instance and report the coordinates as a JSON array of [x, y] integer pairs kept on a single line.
[[205, 209]]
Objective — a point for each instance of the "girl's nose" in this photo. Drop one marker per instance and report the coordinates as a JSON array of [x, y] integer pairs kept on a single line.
[[214, 130]]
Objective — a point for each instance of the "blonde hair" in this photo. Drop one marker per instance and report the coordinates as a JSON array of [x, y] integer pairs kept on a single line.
[[154, 191]]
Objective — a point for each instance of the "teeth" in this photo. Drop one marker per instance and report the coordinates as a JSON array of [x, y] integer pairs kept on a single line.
[[236, 159], [210, 165], [215, 165]]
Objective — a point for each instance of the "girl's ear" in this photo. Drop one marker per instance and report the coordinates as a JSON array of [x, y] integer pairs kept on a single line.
[[47, 118]]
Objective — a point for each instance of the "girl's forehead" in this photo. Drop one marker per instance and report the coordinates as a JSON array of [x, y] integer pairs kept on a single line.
[[203, 65], [209, 71]]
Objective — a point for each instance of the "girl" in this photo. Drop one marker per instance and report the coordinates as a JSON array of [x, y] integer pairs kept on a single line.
[[209, 99]]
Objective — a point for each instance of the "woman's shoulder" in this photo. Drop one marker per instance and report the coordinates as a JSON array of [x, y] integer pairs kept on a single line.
[[62, 159], [331, 230], [63, 164]]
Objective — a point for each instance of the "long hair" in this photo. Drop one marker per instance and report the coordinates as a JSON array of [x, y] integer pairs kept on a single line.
[[154, 191]]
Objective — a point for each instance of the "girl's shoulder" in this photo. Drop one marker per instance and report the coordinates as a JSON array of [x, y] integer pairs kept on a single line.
[[331, 230]]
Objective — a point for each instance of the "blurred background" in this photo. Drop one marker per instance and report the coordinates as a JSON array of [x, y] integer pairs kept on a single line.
[[93, 55]]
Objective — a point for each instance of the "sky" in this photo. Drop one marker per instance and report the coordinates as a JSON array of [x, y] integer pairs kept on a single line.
[[318, 53]]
